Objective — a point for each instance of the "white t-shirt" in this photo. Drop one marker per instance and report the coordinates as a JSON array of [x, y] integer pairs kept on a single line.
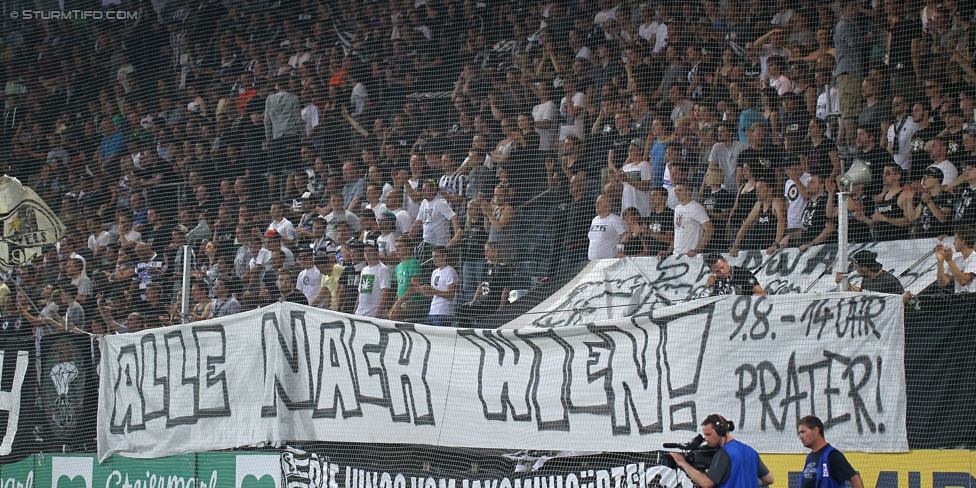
[[436, 216], [672, 195], [727, 158], [688, 231], [412, 207], [823, 110], [334, 217], [573, 126], [310, 117], [546, 111], [604, 236], [358, 99], [782, 84], [904, 155], [404, 220], [949, 172], [440, 279], [285, 228], [794, 212], [660, 30], [372, 281], [632, 197], [308, 282], [386, 245], [966, 265]]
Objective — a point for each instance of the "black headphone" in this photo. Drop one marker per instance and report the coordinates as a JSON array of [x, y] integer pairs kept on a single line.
[[722, 426]]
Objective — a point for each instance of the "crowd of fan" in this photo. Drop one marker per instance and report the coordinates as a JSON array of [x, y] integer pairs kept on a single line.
[[286, 144]]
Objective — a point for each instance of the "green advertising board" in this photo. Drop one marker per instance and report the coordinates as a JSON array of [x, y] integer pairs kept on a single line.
[[205, 470]]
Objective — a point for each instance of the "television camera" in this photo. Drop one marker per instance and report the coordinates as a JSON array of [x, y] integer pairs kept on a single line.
[[695, 452]]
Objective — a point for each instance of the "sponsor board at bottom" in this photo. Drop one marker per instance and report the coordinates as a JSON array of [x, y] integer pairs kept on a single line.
[[294, 468], [914, 469]]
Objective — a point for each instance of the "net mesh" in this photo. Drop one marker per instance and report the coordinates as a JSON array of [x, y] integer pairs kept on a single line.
[[507, 165]]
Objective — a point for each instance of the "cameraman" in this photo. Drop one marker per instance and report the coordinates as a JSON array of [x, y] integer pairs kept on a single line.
[[735, 465]]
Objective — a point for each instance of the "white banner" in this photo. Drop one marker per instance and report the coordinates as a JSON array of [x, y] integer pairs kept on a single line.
[[618, 288], [292, 373]]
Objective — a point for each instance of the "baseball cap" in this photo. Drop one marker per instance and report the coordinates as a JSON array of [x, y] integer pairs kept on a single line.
[[934, 172], [866, 258]]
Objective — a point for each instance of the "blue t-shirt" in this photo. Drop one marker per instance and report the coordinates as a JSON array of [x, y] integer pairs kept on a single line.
[[748, 117], [112, 145], [657, 162]]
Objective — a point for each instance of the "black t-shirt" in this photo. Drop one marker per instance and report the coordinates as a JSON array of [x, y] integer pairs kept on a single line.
[[297, 297], [858, 231], [927, 224], [473, 242], [887, 232], [740, 281], [150, 313], [900, 56], [717, 201], [350, 280], [921, 159], [840, 469], [498, 276], [954, 147], [814, 218], [574, 222], [963, 159], [609, 139], [965, 210], [795, 126], [883, 283], [818, 157], [659, 222], [769, 157]]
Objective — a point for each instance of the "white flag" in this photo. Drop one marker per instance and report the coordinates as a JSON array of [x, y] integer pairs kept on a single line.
[[28, 224]]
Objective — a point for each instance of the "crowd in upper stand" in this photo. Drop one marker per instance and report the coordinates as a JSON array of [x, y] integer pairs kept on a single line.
[[399, 159]]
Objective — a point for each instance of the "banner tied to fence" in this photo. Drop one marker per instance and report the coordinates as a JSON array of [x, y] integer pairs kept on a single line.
[[618, 288], [293, 373]]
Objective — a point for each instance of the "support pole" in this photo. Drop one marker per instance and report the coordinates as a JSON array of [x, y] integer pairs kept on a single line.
[[185, 303], [842, 264]]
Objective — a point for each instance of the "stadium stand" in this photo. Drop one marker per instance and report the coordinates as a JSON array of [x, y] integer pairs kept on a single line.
[[296, 148]]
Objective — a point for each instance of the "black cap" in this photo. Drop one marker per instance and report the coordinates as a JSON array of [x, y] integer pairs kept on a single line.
[[868, 259], [934, 172]]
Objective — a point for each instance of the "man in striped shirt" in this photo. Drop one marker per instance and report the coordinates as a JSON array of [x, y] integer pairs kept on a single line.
[[452, 183]]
